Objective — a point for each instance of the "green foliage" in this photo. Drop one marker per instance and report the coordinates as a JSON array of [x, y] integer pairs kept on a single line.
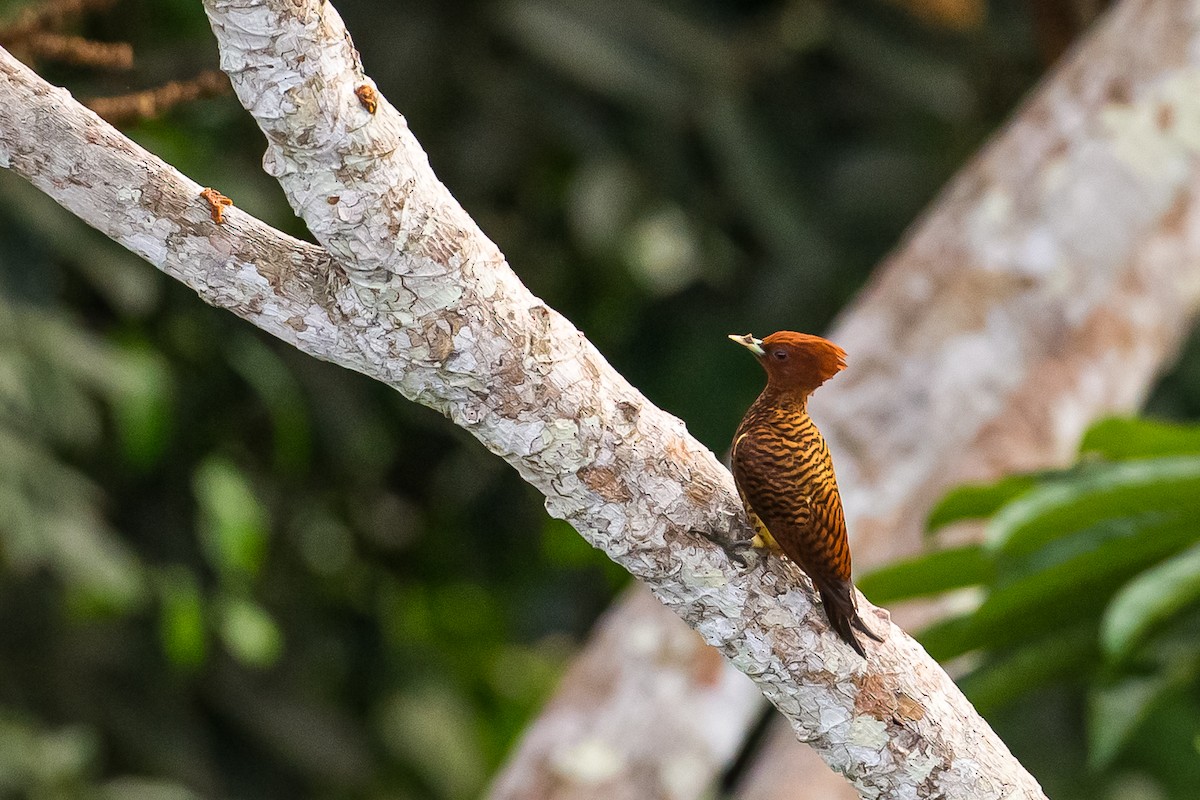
[[1149, 602], [249, 633], [1088, 581], [45, 763], [181, 625], [141, 407], [934, 573], [1119, 438], [1095, 495], [976, 501], [233, 524]]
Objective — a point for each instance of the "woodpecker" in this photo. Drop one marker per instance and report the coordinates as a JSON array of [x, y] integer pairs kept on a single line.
[[784, 473]]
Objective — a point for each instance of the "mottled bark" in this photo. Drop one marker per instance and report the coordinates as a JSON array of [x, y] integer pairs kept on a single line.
[[421, 300], [1058, 271], [1044, 289]]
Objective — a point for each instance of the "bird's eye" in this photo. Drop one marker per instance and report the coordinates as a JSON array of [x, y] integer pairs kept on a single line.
[[780, 355]]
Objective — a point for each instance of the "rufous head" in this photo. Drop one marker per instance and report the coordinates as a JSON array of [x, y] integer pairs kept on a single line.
[[795, 361]]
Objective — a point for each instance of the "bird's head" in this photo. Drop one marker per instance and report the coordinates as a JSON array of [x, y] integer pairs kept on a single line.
[[795, 361]]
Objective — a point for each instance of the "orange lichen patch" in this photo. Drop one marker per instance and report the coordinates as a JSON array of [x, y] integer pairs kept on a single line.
[[908, 709], [366, 95], [217, 203], [876, 697], [605, 482], [700, 492], [439, 340], [629, 411], [677, 449], [879, 697]]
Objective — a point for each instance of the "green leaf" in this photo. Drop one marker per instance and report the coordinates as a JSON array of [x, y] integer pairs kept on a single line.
[[1061, 655], [931, 573], [181, 619], [233, 524], [1117, 710], [978, 501], [1092, 496], [1119, 438], [1018, 566], [249, 633], [142, 406], [1149, 600], [1071, 590]]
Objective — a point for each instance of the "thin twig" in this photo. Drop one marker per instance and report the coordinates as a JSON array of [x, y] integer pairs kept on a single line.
[[126, 108]]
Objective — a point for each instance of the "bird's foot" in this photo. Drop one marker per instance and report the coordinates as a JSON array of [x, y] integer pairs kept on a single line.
[[736, 549]]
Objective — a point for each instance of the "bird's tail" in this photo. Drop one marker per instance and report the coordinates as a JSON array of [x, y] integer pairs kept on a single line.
[[838, 599]]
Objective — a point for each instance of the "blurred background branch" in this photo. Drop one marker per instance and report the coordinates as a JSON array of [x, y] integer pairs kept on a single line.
[[33, 36], [1056, 357]]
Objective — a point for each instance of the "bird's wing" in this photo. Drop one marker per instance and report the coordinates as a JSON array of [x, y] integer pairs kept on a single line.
[[791, 488]]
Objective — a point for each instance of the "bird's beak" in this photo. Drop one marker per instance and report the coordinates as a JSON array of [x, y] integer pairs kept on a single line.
[[750, 343]]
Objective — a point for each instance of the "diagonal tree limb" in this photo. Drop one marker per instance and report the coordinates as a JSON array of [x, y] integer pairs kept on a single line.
[[1044, 289], [1039, 294], [422, 300], [571, 427]]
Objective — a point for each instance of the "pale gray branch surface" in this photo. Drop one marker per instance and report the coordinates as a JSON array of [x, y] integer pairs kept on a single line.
[[1058, 271], [421, 300]]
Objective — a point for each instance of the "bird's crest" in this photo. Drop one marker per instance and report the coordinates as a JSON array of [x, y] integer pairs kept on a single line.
[[800, 360]]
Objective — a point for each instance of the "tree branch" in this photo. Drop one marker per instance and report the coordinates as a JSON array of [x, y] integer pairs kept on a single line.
[[970, 358], [130, 195], [420, 299]]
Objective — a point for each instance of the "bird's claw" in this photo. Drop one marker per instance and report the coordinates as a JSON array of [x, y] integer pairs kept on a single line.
[[736, 549]]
